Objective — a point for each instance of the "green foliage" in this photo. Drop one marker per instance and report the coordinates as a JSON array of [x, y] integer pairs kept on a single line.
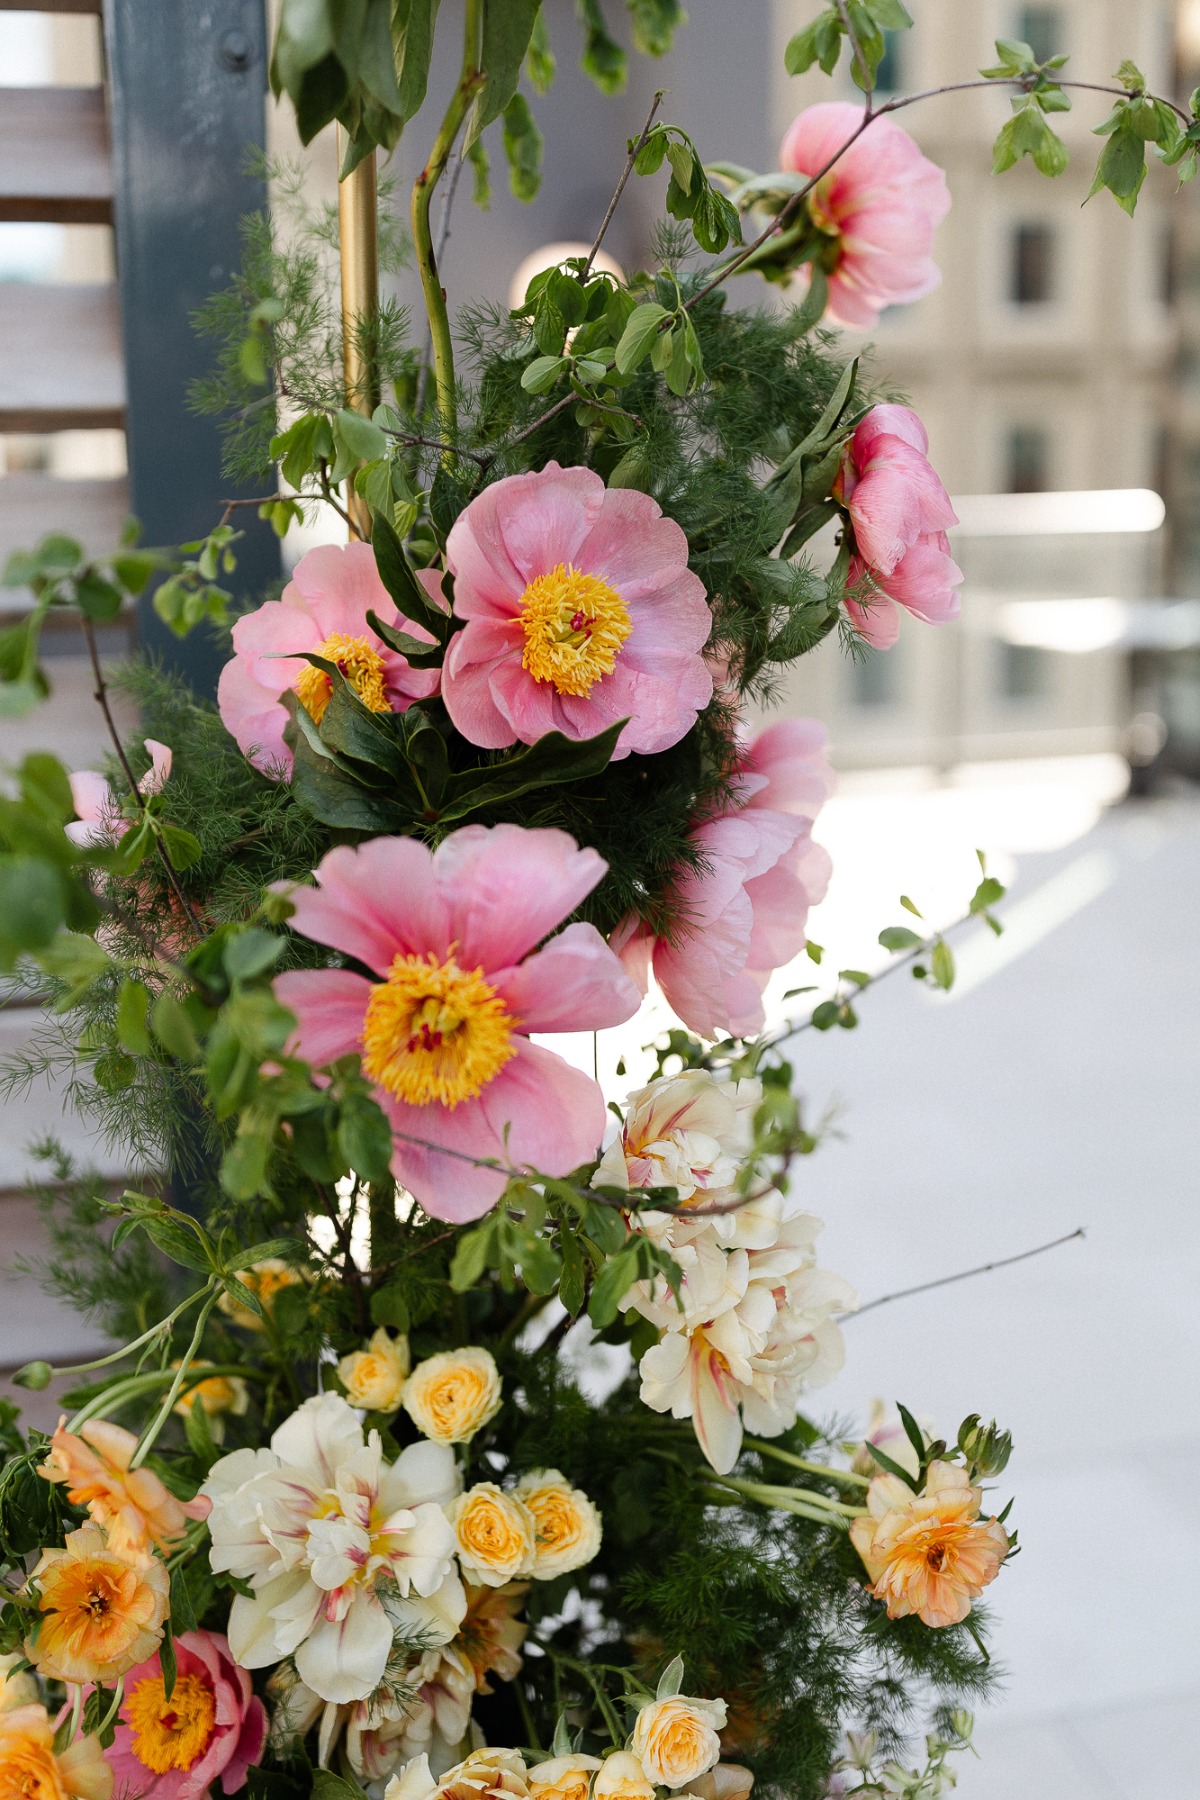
[[364, 64], [860, 25]]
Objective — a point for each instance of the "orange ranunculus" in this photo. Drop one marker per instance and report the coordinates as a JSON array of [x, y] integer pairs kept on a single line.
[[491, 1635], [30, 1770], [102, 1613], [929, 1553], [134, 1507]]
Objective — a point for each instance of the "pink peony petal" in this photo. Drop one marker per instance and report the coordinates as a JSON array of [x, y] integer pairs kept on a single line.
[[375, 902], [476, 653], [330, 1005], [876, 620], [575, 984], [505, 888], [554, 1114], [253, 717]]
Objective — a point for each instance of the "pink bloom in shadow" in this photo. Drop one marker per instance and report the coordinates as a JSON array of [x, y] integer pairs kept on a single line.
[[879, 204], [213, 1725], [101, 818], [899, 512], [451, 937], [323, 610], [744, 909], [580, 610]]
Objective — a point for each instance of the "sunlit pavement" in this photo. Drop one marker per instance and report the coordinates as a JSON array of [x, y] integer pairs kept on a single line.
[[1062, 1088]]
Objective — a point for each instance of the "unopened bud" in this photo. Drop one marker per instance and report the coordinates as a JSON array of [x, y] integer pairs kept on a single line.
[[986, 1448], [35, 1375]]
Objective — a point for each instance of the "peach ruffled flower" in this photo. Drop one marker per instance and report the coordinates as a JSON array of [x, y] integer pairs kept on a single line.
[[101, 1613], [491, 1634], [484, 1775], [929, 1553], [133, 1506], [878, 206], [30, 1769]]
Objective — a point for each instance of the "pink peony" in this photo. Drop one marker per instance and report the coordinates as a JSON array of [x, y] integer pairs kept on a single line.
[[101, 819], [323, 610], [747, 906], [899, 511], [880, 204], [452, 937], [580, 610], [213, 1724]]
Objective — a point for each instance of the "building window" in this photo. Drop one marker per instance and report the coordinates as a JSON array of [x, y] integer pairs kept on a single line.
[[875, 677], [1022, 672], [1028, 460], [1041, 28], [1032, 271], [889, 76]]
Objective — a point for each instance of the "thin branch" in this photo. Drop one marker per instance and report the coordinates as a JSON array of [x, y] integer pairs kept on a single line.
[[626, 172], [327, 491], [924, 1287], [432, 443], [232, 505], [100, 694], [571, 399], [868, 86]]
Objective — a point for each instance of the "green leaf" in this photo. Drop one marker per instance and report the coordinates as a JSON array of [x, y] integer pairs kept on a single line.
[[415, 651], [638, 337], [1027, 133], [611, 1285], [899, 937], [542, 373], [173, 1029], [523, 148], [73, 958], [571, 1281], [97, 598], [389, 1307], [553, 759], [671, 1680], [507, 33], [893, 1468], [889, 15], [167, 1661], [32, 903], [413, 24], [328, 1786], [133, 1012], [364, 1138], [396, 574], [183, 849], [540, 65], [356, 439], [58, 555], [941, 965], [603, 60], [654, 24], [472, 1255]]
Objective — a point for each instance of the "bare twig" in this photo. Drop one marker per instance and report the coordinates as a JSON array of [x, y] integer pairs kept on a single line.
[[626, 172], [100, 693], [327, 491], [571, 399], [231, 506], [1004, 1262]]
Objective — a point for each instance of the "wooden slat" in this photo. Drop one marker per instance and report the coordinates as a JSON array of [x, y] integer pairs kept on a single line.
[[61, 364], [54, 161], [32, 505], [52, 6]]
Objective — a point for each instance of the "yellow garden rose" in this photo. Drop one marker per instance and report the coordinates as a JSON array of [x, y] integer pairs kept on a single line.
[[568, 1525], [622, 1777], [216, 1395], [374, 1378], [676, 1739], [562, 1777], [496, 1534], [264, 1279], [450, 1396]]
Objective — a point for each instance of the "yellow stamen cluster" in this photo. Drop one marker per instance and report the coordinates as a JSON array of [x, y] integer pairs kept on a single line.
[[434, 1032], [359, 662], [575, 625], [174, 1733]]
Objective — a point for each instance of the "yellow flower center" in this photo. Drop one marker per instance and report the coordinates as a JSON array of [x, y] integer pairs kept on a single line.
[[574, 627], [434, 1032], [360, 664], [174, 1733]]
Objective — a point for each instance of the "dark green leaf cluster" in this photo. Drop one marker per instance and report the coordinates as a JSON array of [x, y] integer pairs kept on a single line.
[[861, 25]]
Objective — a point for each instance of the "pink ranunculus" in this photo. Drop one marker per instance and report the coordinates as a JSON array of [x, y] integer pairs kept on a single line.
[[452, 937], [899, 512], [323, 610], [880, 204], [580, 610], [745, 908], [212, 1725], [101, 820]]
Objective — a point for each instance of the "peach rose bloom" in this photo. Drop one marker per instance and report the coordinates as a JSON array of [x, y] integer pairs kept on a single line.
[[622, 1777], [30, 1770], [562, 1777], [929, 1553], [102, 1614], [728, 1781], [134, 1507], [495, 1533], [451, 1396], [568, 1525], [676, 1739], [491, 1634], [374, 1378]]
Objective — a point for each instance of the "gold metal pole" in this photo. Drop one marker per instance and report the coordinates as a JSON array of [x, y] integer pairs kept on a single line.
[[358, 236]]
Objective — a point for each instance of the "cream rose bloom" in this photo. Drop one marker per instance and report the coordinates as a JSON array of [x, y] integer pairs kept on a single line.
[[568, 1525], [562, 1777], [676, 1740], [496, 1534], [728, 1781], [484, 1775], [450, 1396], [374, 1378], [622, 1777]]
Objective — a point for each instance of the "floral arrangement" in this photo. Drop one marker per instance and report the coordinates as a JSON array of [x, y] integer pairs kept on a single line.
[[459, 1415]]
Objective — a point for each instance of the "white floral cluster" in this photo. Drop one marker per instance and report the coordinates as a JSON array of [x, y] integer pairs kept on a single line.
[[381, 1593], [755, 1322]]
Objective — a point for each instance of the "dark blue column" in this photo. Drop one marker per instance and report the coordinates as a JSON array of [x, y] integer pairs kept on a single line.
[[187, 95]]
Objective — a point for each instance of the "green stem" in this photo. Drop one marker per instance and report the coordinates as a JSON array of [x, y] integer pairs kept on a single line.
[[110, 1715], [160, 1330], [164, 1412], [470, 81], [134, 1386], [784, 1497], [845, 1476]]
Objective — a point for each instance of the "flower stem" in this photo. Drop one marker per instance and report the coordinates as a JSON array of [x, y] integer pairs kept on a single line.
[[470, 80], [164, 1412], [135, 1385], [845, 1476], [160, 1329], [787, 1497], [110, 1715]]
